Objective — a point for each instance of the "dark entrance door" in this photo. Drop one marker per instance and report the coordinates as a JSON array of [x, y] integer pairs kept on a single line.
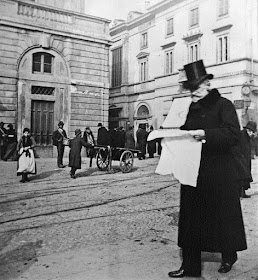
[[42, 121]]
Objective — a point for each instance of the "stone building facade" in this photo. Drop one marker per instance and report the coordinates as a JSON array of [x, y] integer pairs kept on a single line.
[[151, 48], [54, 65]]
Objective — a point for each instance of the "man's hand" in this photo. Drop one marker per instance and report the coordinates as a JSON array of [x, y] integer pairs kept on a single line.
[[198, 134]]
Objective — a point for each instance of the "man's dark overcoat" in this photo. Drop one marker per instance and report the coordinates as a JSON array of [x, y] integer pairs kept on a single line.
[[103, 137], [142, 135], [75, 151], [210, 215]]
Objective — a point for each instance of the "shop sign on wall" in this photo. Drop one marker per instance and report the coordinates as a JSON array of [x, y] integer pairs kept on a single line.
[[239, 104]]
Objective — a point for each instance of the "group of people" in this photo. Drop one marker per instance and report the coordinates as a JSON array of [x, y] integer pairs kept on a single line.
[[116, 137]]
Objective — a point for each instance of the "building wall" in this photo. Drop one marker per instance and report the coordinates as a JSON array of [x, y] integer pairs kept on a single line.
[[79, 45], [158, 92]]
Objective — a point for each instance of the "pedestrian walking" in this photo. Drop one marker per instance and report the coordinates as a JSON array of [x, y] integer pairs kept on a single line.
[[75, 152], [3, 138], [210, 217], [159, 143], [151, 145], [141, 136], [244, 155], [60, 140], [26, 161], [129, 139], [11, 143]]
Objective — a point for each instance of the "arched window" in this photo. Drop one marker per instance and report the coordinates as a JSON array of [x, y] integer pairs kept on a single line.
[[143, 112], [42, 63]]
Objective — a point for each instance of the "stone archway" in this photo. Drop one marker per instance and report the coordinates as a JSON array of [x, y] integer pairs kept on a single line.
[[43, 95], [142, 116]]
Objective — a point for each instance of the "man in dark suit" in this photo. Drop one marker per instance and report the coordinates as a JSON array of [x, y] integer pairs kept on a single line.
[[210, 217], [75, 153], [58, 140], [103, 135]]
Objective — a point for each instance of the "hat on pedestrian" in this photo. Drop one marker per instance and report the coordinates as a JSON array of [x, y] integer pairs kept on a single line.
[[196, 74], [77, 131], [10, 125], [26, 130], [60, 123], [99, 124], [251, 125]]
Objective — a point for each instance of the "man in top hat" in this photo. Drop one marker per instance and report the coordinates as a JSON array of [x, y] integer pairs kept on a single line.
[[75, 152], [210, 217], [58, 138]]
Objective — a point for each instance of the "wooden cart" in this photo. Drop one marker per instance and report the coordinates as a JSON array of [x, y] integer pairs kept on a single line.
[[106, 154]]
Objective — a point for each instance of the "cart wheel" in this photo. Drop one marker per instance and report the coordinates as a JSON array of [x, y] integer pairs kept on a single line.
[[126, 161], [102, 159]]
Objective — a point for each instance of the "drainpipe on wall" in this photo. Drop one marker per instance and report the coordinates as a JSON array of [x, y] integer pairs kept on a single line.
[[251, 44]]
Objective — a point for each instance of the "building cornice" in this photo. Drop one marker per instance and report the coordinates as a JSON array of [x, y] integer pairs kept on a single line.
[[150, 15], [222, 28], [142, 55], [192, 35], [169, 45], [67, 12], [48, 30]]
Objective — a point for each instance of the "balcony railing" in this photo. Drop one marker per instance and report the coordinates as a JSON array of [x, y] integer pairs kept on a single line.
[[32, 11]]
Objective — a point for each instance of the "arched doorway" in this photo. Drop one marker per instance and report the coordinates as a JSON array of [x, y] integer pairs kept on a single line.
[[43, 95], [142, 116]]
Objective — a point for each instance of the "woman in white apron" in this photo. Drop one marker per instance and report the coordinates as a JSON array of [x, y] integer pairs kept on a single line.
[[26, 161]]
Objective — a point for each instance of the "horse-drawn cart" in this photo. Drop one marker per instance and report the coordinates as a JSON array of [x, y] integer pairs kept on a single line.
[[106, 154]]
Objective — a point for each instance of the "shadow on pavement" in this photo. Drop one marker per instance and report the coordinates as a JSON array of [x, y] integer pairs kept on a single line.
[[14, 263], [87, 172], [44, 175]]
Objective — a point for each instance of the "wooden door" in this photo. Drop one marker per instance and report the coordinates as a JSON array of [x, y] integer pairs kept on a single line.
[[42, 121]]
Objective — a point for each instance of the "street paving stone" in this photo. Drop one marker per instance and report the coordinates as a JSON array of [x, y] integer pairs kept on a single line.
[[102, 225]]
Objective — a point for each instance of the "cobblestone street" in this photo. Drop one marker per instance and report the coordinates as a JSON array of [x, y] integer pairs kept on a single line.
[[102, 225]]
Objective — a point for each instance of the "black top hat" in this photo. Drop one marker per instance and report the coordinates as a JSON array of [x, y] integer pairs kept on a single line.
[[99, 124], [60, 123], [196, 74], [251, 125]]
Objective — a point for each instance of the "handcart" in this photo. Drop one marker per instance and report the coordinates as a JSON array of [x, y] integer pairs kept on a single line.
[[106, 154]]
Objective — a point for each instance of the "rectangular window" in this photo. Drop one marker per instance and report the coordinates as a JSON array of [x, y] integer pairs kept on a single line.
[[170, 26], [193, 52], [194, 17], [223, 8], [42, 63], [116, 67], [143, 70], [222, 49], [42, 90], [169, 62], [144, 40]]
